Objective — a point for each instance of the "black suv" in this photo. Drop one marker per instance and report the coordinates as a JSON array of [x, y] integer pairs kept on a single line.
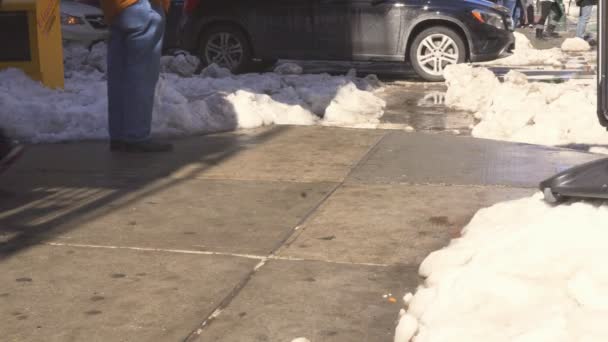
[[429, 34]]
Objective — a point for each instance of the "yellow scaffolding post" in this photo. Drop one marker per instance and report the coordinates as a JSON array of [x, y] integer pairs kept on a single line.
[[30, 37]]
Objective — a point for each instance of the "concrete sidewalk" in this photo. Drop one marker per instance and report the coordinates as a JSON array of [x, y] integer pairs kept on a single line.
[[264, 235]]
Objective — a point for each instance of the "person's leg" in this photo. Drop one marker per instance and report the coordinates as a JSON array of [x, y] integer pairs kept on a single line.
[[531, 18], [116, 92], [558, 11], [517, 16], [142, 28], [510, 4], [583, 20], [545, 8], [142, 73], [554, 19]]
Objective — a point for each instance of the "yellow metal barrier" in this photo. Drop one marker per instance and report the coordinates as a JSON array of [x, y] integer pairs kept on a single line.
[[30, 39]]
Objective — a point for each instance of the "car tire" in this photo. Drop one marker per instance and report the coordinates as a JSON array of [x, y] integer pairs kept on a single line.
[[435, 48], [226, 46]]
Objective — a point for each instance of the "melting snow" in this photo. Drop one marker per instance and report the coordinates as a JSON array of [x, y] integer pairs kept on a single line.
[[525, 54], [522, 111], [185, 103], [522, 271], [575, 45]]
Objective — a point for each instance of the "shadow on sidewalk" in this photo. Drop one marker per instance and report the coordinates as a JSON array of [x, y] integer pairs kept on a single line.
[[41, 199]]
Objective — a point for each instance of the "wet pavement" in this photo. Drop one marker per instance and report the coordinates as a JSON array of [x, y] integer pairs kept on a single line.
[[422, 107], [413, 104]]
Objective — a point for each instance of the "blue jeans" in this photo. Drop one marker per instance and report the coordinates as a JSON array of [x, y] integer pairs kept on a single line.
[[583, 20], [517, 14], [134, 52], [510, 4]]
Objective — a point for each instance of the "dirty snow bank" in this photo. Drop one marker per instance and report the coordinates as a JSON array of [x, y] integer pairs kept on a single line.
[[575, 45], [213, 101], [522, 111], [288, 69], [525, 54], [522, 271]]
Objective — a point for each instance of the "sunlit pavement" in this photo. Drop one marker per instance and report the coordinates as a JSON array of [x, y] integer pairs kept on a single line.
[[262, 235]]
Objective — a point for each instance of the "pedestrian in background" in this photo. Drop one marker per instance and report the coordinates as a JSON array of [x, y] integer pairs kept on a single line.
[[524, 13], [510, 5], [530, 19], [519, 17], [586, 8], [545, 10], [134, 51], [557, 9]]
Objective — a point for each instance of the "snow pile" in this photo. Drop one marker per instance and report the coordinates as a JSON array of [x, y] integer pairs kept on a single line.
[[575, 45], [29, 111], [215, 71], [522, 271], [211, 102], [76, 60], [462, 80], [354, 108], [288, 69], [98, 57], [525, 54], [599, 149], [183, 64], [516, 110]]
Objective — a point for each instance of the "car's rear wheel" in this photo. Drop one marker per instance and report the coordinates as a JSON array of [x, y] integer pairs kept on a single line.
[[225, 46], [434, 49]]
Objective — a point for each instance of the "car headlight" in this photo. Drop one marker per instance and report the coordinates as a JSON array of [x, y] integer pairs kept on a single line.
[[489, 18], [67, 19]]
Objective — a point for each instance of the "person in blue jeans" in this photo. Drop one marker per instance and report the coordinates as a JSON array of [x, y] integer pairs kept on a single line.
[[586, 10], [510, 4], [134, 51]]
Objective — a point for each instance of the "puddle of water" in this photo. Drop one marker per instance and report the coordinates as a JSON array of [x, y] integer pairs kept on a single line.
[[433, 99], [422, 107]]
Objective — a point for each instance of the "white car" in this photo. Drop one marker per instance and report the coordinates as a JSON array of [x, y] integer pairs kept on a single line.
[[82, 23]]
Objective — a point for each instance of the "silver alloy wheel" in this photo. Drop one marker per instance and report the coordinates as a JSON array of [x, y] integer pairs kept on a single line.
[[436, 52], [225, 50]]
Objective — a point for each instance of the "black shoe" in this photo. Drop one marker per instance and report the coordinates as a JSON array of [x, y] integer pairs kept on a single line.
[[589, 39], [539, 34], [551, 32], [9, 153], [146, 146]]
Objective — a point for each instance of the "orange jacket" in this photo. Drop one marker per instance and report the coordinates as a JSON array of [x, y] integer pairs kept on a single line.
[[111, 8]]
